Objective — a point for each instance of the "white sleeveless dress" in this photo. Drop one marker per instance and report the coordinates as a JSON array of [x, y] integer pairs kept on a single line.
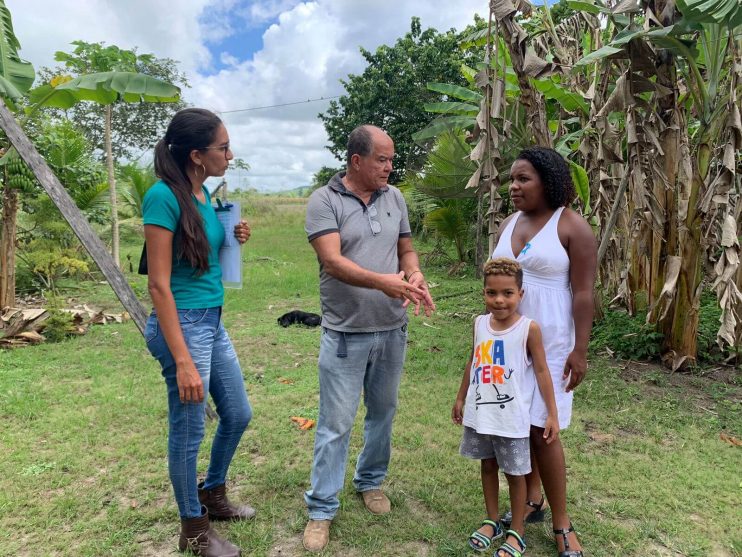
[[548, 301]]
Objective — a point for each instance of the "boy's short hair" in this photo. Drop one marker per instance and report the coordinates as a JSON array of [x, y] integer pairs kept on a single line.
[[504, 266]]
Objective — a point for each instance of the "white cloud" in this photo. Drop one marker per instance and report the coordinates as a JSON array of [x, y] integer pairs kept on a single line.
[[306, 51], [261, 11]]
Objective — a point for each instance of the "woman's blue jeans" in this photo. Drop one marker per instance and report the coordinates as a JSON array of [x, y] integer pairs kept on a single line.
[[216, 361]]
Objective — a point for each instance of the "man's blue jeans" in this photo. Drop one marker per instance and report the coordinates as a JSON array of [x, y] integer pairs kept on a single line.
[[348, 364], [216, 361]]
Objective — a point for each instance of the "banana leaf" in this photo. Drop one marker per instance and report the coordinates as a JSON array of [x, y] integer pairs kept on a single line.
[[16, 75], [105, 88]]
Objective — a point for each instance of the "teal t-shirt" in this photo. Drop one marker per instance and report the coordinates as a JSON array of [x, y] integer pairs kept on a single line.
[[190, 290]]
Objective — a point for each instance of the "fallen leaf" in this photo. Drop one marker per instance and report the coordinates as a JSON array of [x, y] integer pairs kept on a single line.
[[731, 439], [285, 381], [303, 423], [309, 424]]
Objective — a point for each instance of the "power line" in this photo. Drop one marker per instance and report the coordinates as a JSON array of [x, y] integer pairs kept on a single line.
[[279, 105]]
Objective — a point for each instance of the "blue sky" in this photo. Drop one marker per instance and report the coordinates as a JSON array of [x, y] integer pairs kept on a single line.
[[236, 29]]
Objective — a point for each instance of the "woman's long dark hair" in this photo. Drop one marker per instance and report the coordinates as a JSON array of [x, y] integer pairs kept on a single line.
[[191, 128], [559, 190]]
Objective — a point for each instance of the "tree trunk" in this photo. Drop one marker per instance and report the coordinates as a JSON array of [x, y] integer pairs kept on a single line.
[[112, 190], [479, 247], [681, 322], [7, 247]]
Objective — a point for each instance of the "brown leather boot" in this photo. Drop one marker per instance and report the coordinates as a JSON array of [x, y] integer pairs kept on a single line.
[[219, 507], [197, 536]]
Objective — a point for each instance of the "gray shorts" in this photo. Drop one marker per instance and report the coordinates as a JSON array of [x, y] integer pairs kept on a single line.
[[513, 454]]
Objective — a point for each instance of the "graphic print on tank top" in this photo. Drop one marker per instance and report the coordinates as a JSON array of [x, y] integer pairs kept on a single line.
[[488, 369]]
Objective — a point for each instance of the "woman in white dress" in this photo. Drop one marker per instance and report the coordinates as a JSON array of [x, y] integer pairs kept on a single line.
[[558, 252]]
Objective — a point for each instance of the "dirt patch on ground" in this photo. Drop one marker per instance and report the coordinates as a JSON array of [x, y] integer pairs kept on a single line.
[[149, 548], [419, 549], [656, 379], [289, 546]]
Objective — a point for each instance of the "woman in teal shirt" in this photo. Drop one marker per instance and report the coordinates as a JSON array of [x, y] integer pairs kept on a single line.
[[185, 333]]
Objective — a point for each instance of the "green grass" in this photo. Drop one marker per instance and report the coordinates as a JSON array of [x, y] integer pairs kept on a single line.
[[83, 467]]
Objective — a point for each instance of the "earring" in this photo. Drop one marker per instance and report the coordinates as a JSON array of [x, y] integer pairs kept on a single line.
[[203, 176]]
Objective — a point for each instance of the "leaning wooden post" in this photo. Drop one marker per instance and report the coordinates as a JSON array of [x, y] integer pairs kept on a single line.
[[73, 215]]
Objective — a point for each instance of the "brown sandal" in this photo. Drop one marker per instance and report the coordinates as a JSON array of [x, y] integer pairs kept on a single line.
[[536, 515], [567, 552]]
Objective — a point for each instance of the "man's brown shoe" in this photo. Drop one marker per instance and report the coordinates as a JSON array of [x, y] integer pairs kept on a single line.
[[316, 535], [376, 502]]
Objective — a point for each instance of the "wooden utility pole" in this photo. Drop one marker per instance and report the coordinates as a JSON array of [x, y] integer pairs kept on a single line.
[[80, 225]]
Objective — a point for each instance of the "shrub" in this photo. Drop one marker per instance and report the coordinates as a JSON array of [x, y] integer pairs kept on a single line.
[[626, 336]]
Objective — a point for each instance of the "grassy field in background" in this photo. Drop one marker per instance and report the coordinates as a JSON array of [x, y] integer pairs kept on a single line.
[[83, 466]]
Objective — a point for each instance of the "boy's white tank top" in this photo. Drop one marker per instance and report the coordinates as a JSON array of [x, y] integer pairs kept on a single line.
[[501, 380]]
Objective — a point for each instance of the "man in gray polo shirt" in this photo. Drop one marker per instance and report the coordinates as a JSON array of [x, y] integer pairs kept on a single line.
[[369, 274]]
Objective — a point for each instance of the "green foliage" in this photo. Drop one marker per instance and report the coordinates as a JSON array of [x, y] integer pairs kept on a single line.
[[633, 339], [322, 176], [136, 181], [70, 156], [58, 326], [135, 127], [391, 92], [708, 326], [49, 262], [722, 12], [16, 75], [17, 174], [451, 222], [582, 184], [418, 205], [561, 11], [47, 248], [626, 337], [447, 168]]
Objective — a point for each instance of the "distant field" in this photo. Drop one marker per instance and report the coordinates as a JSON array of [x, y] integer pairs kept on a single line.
[[83, 467]]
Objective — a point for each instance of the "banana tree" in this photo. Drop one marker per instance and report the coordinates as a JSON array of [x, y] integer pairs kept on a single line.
[[16, 78], [676, 95], [113, 81]]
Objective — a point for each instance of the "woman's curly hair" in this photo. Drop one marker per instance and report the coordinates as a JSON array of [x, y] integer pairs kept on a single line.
[[553, 170], [504, 266]]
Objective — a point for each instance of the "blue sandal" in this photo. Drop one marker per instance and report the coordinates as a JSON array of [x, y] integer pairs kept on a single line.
[[508, 548], [567, 553], [480, 542]]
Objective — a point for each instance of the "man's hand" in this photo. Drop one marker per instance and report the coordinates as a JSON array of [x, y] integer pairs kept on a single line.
[[418, 280], [575, 368], [395, 286]]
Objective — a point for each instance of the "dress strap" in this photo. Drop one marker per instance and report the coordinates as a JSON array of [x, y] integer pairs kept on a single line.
[[554, 219], [507, 233]]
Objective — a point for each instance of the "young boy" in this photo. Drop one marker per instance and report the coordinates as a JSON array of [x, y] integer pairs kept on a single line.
[[494, 400]]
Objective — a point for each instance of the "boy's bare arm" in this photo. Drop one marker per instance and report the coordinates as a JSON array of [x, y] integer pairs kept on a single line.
[[457, 413], [535, 347]]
